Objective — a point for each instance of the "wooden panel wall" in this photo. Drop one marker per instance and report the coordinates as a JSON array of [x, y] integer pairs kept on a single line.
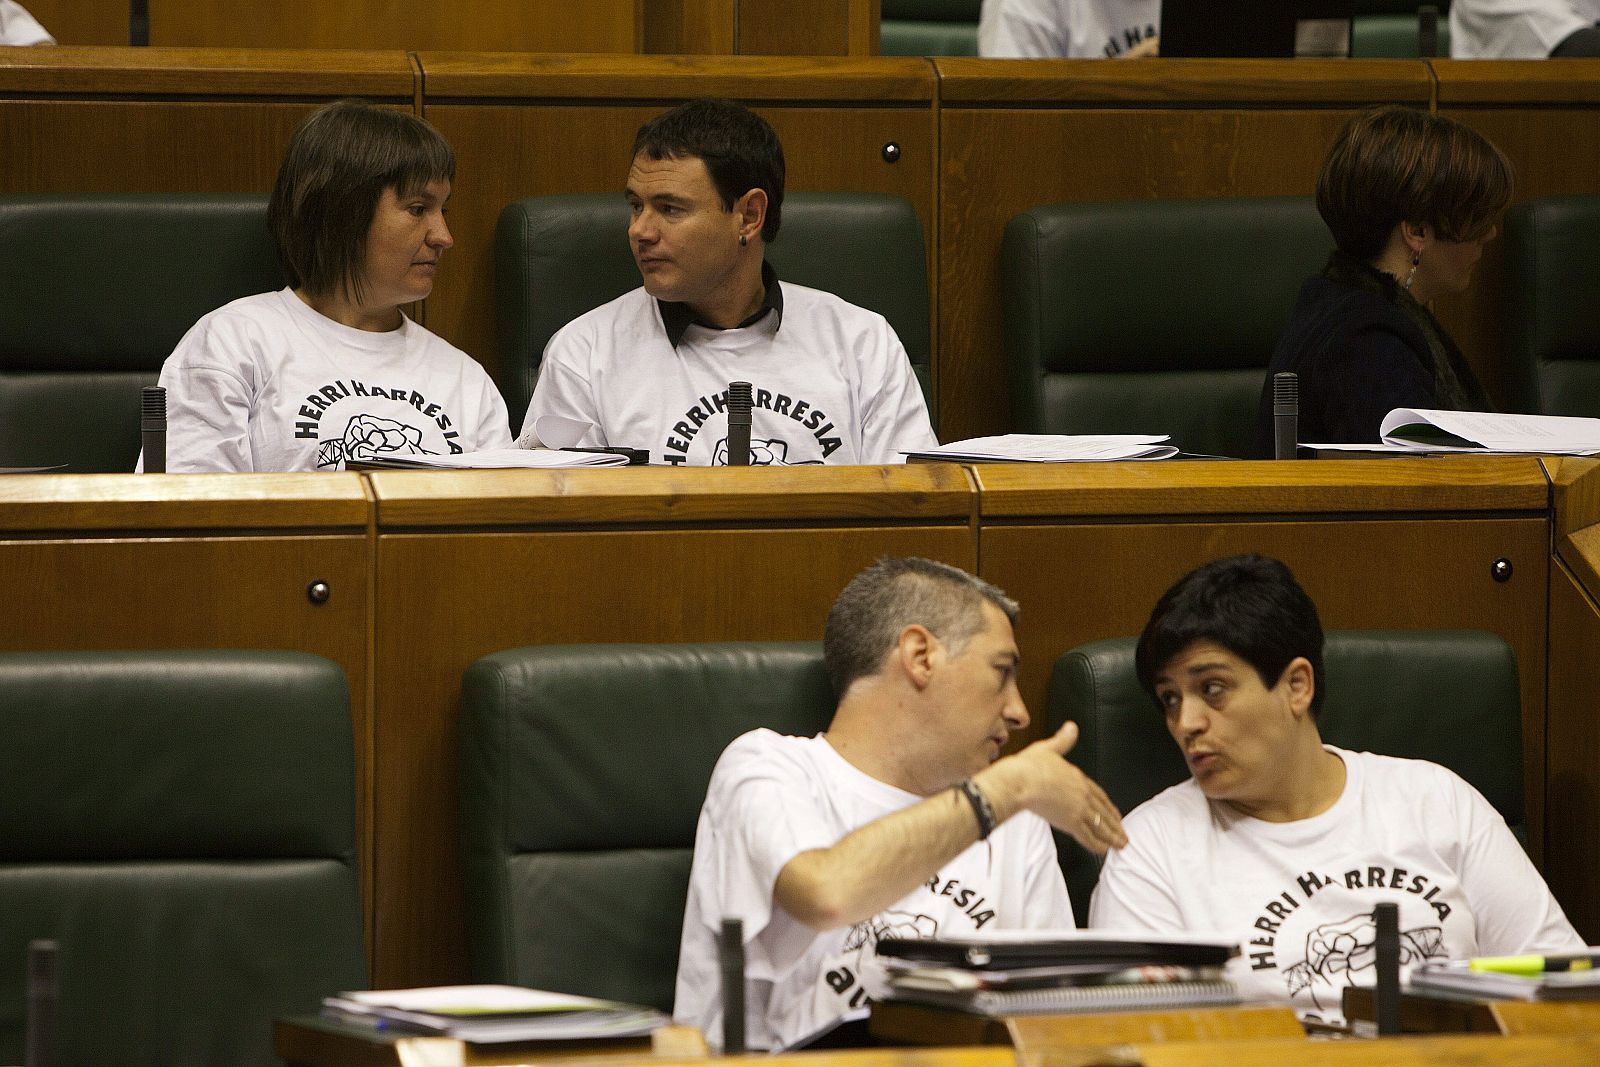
[[170, 120], [1546, 118], [1019, 133], [482, 25], [535, 125], [73, 22], [761, 27], [502, 559]]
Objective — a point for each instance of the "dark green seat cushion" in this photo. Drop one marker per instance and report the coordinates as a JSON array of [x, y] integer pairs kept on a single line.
[[864, 247], [1156, 316], [1450, 696], [583, 769], [1553, 276], [98, 290], [183, 824]]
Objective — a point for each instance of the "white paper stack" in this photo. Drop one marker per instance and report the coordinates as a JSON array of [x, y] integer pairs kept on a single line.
[[1052, 448]]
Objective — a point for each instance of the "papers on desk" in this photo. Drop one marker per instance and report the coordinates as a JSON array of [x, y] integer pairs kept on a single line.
[[1426, 430], [498, 458], [1051, 448], [1456, 976], [493, 1013], [1058, 971]]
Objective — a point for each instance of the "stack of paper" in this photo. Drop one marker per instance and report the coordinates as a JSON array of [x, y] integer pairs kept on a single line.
[[497, 458], [1058, 971], [1458, 976], [1052, 448], [1426, 430], [491, 1013]]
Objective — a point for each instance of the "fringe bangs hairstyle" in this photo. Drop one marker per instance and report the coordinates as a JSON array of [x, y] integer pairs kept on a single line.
[[337, 166]]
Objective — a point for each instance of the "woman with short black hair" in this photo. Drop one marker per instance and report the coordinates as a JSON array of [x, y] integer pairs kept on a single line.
[[330, 370], [1411, 199]]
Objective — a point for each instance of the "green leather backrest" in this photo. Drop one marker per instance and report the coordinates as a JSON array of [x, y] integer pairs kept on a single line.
[[1450, 696], [98, 290], [1394, 36], [1553, 273], [583, 768], [864, 247], [929, 27], [183, 824], [1152, 316]]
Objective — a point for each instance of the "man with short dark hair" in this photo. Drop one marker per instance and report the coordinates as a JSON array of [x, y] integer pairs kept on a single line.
[[650, 370], [1289, 842], [902, 819]]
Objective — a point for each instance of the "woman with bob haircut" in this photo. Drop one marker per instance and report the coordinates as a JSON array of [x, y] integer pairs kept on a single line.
[[329, 370], [1411, 199]]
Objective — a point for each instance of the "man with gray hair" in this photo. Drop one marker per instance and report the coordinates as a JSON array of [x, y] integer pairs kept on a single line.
[[902, 819]]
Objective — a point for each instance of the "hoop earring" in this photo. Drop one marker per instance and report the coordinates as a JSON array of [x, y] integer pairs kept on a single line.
[[743, 241], [1416, 258]]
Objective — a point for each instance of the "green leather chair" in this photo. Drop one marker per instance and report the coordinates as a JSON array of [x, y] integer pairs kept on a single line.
[[1152, 316], [1450, 696], [583, 768], [929, 28], [1553, 285], [1388, 29], [98, 290], [183, 824], [864, 247]]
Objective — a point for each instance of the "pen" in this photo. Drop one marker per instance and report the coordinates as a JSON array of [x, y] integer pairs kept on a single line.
[[1578, 961]]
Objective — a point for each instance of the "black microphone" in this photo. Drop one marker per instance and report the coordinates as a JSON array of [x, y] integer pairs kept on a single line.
[[1285, 414], [1386, 945], [44, 997], [153, 429], [739, 404], [1427, 32], [730, 950]]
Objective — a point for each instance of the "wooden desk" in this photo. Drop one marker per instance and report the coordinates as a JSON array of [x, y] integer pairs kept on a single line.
[[468, 565], [914, 1024], [1472, 1050], [1428, 1013], [311, 1041]]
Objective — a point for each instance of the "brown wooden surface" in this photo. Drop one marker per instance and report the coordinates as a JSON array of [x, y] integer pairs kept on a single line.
[[1471, 1050], [73, 22], [1575, 492], [669, 496], [445, 599], [513, 25], [1444, 484], [1572, 864], [917, 1024], [1016, 134], [1099, 579], [537, 125], [170, 120], [198, 561]]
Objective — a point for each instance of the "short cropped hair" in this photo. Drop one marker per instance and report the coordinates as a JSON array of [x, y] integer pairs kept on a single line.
[[880, 602], [1396, 164], [333, 174], [740, 149], [1250, 605]]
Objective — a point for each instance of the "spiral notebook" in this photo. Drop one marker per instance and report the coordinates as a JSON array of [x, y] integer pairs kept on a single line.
[[1090, 998]]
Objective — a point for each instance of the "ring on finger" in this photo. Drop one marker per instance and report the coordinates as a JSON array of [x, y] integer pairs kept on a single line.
[[1096, 824]]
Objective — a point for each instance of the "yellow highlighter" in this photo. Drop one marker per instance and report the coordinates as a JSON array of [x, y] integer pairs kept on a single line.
[[1534, 965]]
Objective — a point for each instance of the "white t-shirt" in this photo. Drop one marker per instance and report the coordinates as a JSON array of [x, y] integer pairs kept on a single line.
[[831, 385], [18, 27], [267, 384], [1074, 29], [772, 797], [1301, 894], [1516, 29]]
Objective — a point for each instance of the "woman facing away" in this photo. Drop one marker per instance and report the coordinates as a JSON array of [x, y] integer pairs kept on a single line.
[[330, 370], [1411, 199]]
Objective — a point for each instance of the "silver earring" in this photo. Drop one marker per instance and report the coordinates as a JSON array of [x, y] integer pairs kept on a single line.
[[1416, 257]]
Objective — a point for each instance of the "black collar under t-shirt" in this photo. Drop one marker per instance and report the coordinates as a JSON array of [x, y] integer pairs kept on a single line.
[[677, 317]]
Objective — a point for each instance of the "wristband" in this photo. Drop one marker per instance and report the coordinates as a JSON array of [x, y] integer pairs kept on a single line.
[[980, 807]]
